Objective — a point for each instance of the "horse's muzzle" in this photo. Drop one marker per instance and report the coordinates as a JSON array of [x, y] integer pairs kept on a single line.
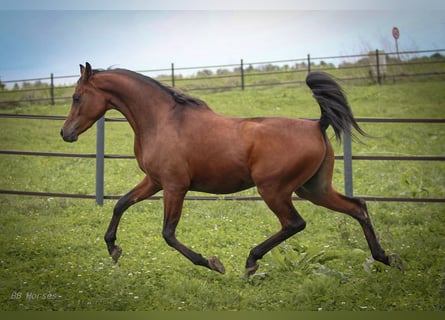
[[68, 136]]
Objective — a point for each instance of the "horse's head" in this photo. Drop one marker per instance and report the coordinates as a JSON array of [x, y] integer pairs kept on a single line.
[[89, 104]]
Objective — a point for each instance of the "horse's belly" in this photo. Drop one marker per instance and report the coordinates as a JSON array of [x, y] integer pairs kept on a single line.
[[221, 182]]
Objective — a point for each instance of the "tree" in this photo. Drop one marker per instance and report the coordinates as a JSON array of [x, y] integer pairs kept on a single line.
[[222, 72], [204, 73]]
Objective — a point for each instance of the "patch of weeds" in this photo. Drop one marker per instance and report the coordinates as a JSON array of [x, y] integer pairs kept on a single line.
[[302, 263]]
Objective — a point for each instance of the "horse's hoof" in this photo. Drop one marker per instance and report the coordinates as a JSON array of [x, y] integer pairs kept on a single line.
[[117, 251], [251, 270], [396, 261], [216, 265]]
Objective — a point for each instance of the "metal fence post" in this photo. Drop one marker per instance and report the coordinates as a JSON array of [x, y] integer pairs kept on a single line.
[[242, 74], [347, 163], [51, 90], [379, 79], [308, 63], [173, 74], [100, 150]]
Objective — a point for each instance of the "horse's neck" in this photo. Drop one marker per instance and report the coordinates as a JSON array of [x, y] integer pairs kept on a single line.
[[141, 104]]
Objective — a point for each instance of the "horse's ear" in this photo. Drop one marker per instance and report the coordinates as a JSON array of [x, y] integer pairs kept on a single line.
[[86, 72]]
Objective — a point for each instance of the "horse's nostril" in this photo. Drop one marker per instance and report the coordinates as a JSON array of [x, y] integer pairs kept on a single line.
[[68, 136]]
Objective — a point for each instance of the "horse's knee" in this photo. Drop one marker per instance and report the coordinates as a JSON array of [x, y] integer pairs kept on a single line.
[[295, 226], [169, 237]]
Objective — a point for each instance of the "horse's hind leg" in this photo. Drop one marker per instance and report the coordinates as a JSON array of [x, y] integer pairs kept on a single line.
[[142, 191], [319, 191], [327, 197]]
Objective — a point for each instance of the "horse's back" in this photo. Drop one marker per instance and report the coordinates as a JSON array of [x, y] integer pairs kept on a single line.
[[284, 135]]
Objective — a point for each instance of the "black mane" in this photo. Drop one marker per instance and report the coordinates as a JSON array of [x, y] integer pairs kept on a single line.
[[179, 97]]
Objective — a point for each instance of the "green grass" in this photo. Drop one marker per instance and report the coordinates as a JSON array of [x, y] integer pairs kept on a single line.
[[54, 246], [53, 256]]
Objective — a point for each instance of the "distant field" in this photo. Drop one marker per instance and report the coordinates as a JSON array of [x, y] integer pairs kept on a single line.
[[54, 258]]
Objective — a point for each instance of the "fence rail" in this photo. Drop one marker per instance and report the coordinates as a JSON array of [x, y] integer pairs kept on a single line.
[[100, 156], [209, 198], [378, 66], [127, 156]]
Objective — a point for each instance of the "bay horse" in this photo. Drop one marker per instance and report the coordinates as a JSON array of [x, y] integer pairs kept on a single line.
[[181, 144]]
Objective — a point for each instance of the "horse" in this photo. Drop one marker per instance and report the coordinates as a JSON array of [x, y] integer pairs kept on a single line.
[[181, 144]]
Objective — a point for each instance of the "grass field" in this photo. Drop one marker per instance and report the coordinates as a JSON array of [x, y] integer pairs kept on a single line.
[[54, 257]]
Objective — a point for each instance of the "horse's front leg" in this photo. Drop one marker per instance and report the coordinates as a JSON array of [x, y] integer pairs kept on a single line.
[[173, 202], [145, 189]]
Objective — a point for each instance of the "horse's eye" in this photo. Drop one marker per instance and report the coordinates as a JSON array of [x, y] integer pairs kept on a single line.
[[76, 98]]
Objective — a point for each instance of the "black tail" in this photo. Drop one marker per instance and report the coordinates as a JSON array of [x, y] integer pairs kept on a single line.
[[335, 110]]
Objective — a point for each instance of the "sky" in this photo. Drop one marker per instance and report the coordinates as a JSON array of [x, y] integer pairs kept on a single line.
[[54, 39]]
